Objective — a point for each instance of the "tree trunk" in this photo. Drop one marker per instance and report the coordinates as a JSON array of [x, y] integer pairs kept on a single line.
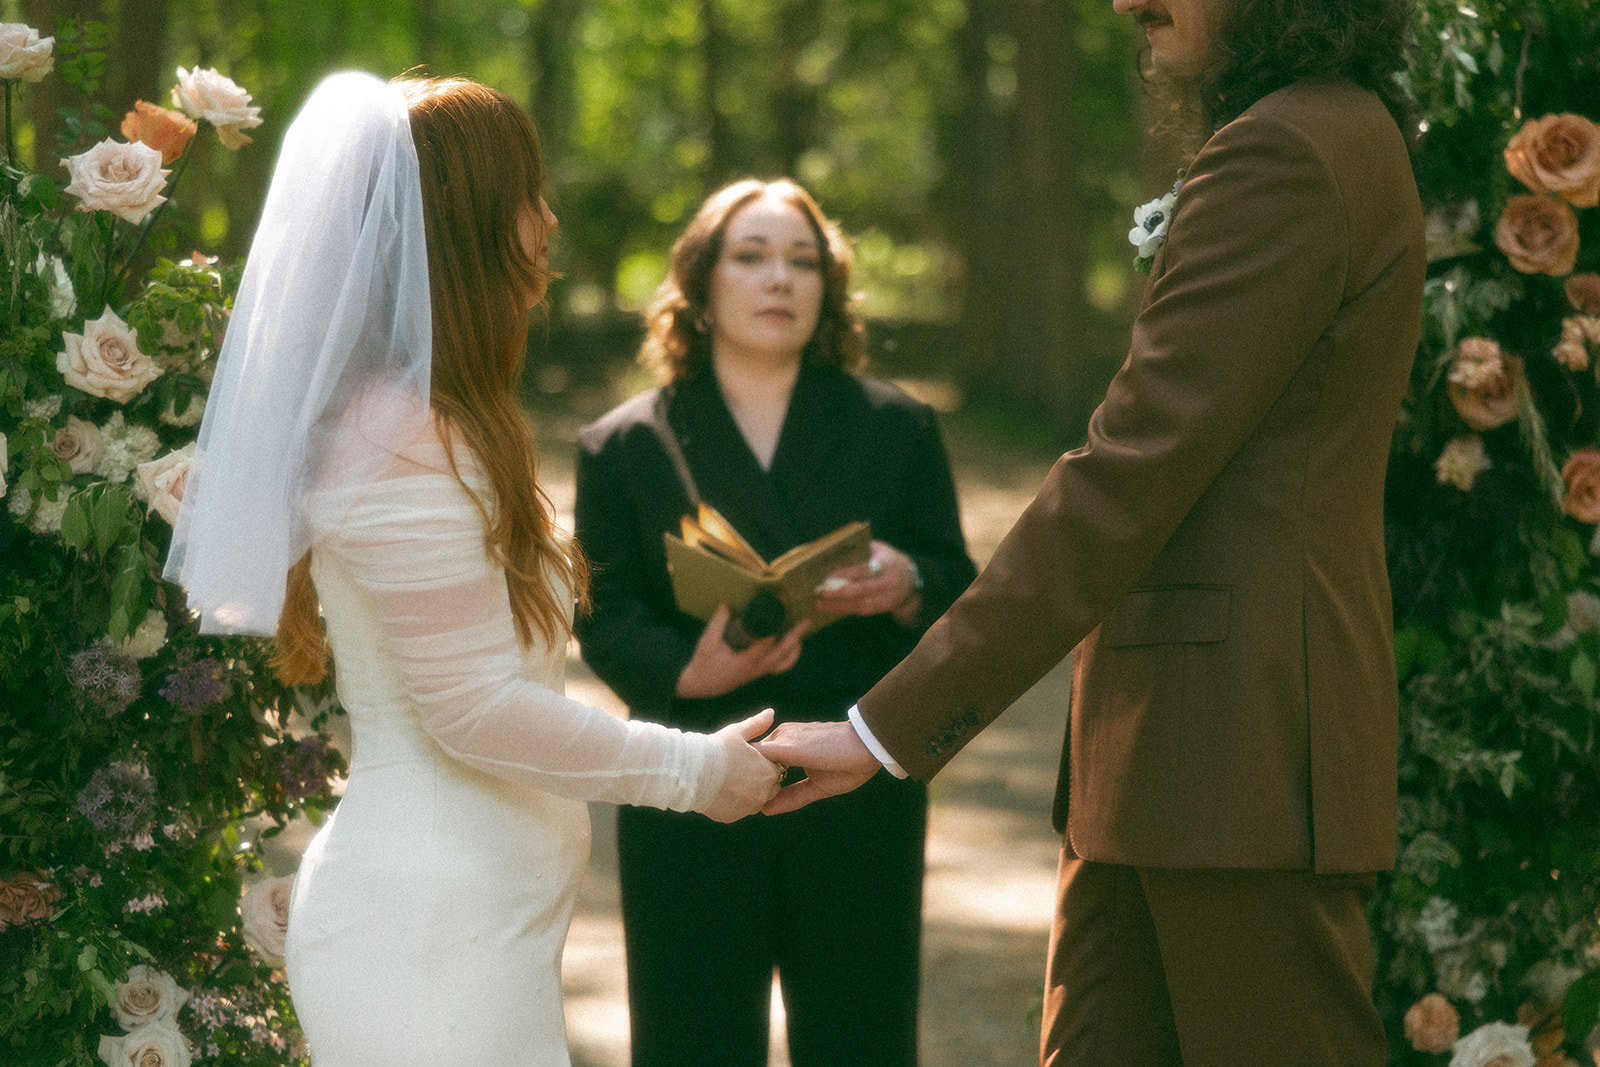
[[139, 51], [794, 101], [720, 160]]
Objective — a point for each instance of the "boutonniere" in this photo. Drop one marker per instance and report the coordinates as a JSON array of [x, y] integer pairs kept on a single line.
[[1150, 226]]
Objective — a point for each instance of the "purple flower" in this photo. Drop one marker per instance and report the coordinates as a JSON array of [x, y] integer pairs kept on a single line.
[[195, 684], [119, 800], [305, 767], [106, 677]]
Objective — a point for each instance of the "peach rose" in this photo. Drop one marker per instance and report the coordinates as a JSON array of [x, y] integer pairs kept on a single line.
[[206, 94], [1581, 472], [1558, 154], [1583, 292], [167, 131], [124, 179], [147, 997], [105, 360], [1432, 1025], [1482, 384], [78, 444], [265, 913], [23, 54], [162, 481], [27, 898], [151, 1045], [1538, 235]]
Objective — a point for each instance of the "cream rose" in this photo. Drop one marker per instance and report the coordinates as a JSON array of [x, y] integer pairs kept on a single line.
[[1583, 292], [168, 132], [1581, 473], [162, 481], [265, 914], [151, 1045], [1482, 384], [1494, 1045], [148, 637], [1432, 1025], [147, 997], [205, 94], [23, 54], [79, 444], [105, 360], [1558, 154], [1538, 235], [27, 898], [124, 179]]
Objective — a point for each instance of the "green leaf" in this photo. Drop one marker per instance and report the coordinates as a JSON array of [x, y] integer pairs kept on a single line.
[[75, 522], [110, 518], [87, 958], [130, 591], [1584, 674], [1580, 1008]]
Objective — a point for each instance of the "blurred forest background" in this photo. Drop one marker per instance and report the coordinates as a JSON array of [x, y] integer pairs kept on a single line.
[[983, 154]]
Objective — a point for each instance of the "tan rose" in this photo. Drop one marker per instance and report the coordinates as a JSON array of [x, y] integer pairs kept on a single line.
[[78, 444], [167, 131], [26, 898], [162, 481], [1583, 292], [1558, 154], [1571, 351], [1538, 235], [151, 1045], [124, 179], [23, 54], [265, 914], [1582, 475], [1432, 1025], [105, 360], [205, 94], [1482, 384], [147, 997]]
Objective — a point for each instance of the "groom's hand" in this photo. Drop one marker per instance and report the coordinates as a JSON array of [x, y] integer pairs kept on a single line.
[[832, 755]]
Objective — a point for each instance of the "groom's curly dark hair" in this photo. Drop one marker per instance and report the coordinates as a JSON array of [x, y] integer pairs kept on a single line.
[[1263, 45]]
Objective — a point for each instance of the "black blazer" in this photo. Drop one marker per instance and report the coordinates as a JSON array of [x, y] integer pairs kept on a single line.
[[851, 448]]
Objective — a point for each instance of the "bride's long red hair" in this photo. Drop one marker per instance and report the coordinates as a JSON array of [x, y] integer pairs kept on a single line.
[[482, 173]]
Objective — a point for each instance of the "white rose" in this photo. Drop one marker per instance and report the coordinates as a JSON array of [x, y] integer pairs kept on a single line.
[[79, 444], [147, 997], [124, 179], [1494, 1043], [162, 481], [105, 360], [147, 639], [205, 94], [23, 54], [265, 911], [151, 1045]]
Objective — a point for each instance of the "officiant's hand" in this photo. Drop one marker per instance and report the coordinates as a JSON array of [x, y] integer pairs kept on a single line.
[[752, 780], [716, 668], [887, 583], [833, 756]]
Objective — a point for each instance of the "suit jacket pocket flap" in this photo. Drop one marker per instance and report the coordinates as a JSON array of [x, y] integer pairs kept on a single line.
[[1185, 615]]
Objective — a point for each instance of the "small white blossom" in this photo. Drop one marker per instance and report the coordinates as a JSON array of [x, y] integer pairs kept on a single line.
[[1462, 460], [45, 408], [47, 520], [1150, 223], [1437, 924]]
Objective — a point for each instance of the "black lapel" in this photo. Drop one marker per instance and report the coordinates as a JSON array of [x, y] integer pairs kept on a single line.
[[823, 414]]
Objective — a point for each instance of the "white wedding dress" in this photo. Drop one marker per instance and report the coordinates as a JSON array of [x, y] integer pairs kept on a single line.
[[429, 913]]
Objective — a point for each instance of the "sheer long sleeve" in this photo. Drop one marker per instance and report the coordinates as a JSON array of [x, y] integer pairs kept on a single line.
[[413, 546]]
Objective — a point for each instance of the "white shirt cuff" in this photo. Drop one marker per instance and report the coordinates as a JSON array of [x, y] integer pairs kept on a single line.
[[874, 745]]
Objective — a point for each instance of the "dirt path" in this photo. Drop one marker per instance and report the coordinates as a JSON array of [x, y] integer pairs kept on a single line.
[[991, 852]]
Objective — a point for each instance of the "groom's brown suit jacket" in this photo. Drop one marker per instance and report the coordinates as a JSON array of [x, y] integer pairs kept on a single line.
[[1215, 551]]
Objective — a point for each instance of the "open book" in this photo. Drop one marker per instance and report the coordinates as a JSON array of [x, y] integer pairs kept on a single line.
[[712, 564]]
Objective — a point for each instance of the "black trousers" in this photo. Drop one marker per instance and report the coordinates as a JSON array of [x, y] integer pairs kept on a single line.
[[830, 896]]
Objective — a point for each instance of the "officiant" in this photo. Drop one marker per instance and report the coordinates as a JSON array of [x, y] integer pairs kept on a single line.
[[762, 414]]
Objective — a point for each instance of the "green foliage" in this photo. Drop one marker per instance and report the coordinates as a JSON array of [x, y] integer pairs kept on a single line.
[[1497, 593], [141, 764]]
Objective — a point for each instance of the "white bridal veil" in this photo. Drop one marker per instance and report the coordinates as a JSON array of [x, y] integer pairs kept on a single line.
[[324, 369]]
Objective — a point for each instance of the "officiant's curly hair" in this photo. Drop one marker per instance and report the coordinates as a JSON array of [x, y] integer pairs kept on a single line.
[[482, 174], [677, 340], [1260, 46]]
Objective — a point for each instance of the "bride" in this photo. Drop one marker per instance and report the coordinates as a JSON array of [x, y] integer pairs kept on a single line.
[[362, 447]]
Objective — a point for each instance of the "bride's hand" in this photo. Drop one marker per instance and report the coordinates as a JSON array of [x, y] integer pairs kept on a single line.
[[751, 780]]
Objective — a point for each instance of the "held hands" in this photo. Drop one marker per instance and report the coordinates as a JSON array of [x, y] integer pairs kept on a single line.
[[751, 780], [716, 668], [885, 584], [832, 753]]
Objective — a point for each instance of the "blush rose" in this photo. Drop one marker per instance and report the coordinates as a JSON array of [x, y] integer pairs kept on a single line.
[[1583, 292], [167, 131], [162, 481], [206, 94], [124, 179], [105, 360], [1538, 235], [79, 444], [1558, 154], [147, 997], [151, 1045], [265, 914], [27, 898], [1581, 473], [24, 56]]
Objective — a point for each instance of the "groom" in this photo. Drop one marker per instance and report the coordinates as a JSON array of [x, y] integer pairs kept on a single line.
[[1213, 556]]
